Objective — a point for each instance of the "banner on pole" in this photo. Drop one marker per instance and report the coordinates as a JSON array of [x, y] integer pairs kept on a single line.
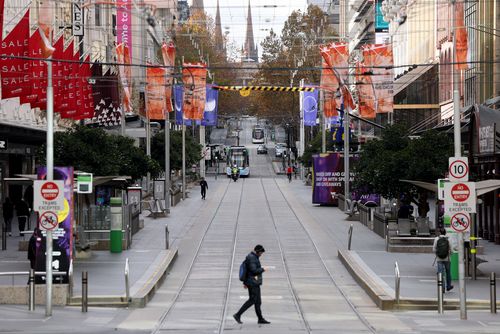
[[194, 77], [310, 107], [461, 46], [155, 93], [168, 53], [125, 72]]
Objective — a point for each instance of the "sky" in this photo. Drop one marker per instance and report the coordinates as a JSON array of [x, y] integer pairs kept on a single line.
[[234, 16]]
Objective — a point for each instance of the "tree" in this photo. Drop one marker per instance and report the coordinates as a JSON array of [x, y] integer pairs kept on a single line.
[[394, 157], [193, 149], [96, 151]]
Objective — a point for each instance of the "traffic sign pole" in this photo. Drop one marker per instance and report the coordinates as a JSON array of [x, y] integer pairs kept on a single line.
[[50, 177]]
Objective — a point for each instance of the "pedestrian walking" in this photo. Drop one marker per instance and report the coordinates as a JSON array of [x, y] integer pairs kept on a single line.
[[442, 249], [204, 187], [8, 214], [23, 213], [252, 281], [289, 171]]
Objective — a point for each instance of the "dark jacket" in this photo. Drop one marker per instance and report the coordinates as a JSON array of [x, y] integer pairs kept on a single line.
[[8, 210], [203, 184], [22, 209], [254, 270]]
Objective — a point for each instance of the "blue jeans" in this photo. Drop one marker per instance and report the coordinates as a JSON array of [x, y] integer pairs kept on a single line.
[[444, 269]]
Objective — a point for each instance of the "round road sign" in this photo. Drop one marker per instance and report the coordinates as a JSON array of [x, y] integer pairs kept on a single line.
[[49, 191], [460, 192], [459, 169], [460, 222], [48, 221]]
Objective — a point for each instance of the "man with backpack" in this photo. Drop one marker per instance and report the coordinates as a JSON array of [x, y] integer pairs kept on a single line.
[[442, 249], [251, 276]]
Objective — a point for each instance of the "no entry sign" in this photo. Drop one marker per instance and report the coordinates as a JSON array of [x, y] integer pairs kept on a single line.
[[48, 196], [459, 198]]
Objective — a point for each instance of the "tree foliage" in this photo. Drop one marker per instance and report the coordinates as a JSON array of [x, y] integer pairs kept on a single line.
[[96, 151], [394, 157], [193, 149]]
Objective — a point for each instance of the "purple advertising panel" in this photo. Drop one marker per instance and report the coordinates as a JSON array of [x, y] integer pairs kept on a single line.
[[124, 24], [328, 181], [211, 104], [310, 105], [63, 236]]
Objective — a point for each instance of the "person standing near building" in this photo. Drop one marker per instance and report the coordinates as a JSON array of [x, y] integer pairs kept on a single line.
[[252, 282], [442, 249], [204, 187], [8, 214], [23, 213]]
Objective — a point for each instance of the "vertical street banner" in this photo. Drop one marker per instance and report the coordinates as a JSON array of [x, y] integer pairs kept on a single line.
[[461, 36], [38, 70], [378, 61], [15, 73], [58, 73], [155, 93], [310, 106], [168, 53], [124, 23], [334, 77], [125, 71], [68, 105], [366, 92], [211, 106], [178, 103], [63, 233], [194, 77], [327, 178]]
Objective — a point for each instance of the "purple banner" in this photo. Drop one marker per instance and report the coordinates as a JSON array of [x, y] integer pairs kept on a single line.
[[124, 24], [310, 105], [63, 234], [211, 106]]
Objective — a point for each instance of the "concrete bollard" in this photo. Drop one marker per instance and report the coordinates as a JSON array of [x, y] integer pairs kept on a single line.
[[440, 292], [493, 293], [85, 291], [31, 292]]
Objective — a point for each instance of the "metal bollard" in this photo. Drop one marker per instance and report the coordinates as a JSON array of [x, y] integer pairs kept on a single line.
[[440, 292], [85, 291], [350, 238], [167, 243], [31, 292], [397, 283], [493, 293]]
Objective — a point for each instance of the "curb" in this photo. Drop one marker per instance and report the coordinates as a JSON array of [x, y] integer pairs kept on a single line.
[[384, 296], [142, 291]]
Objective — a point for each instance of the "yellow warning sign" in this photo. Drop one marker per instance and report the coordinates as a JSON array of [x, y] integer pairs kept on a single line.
[[244, 93]]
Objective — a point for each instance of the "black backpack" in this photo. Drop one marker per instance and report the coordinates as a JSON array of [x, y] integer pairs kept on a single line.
[[442, 248], [243, 270]]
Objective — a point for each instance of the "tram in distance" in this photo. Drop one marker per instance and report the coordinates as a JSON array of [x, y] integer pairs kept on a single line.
[[238, 155], [258, 135]]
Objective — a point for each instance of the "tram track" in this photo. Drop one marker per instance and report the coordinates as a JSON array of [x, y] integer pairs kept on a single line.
[[220, 328], [361, 318]]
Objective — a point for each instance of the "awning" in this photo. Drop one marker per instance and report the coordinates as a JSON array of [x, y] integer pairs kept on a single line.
[[482, 187], [410, 77]]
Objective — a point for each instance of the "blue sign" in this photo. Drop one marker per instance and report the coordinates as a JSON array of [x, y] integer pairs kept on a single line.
[[380, 24]]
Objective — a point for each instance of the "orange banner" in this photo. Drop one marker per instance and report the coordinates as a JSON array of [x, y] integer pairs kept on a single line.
[[365, 92], [155, 93], [194, 77], [123, 57], [168, 53], [378, 62], [462, 37], [45, 23], [334, 78]]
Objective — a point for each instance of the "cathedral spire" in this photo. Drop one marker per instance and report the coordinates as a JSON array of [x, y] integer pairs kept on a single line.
[[250, 50], [198, 6], [219, 40]]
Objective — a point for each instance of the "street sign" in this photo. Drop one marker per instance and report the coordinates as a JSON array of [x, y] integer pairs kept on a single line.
[[78, 19], [458, 169], [48, 196], [48, 221], [459, 198], [460, 222]]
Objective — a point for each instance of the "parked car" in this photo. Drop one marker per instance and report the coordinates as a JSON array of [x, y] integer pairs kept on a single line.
[[279, 149], [262, 149]]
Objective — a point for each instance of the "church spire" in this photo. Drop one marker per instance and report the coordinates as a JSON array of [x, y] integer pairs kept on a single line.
[[198, 6], [250, 48], [219, 40]]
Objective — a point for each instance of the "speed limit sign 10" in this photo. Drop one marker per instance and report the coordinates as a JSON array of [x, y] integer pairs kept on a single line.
[[458, 169]]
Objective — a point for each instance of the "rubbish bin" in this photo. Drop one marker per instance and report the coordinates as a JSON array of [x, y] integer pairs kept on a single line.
[[115, 233]]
